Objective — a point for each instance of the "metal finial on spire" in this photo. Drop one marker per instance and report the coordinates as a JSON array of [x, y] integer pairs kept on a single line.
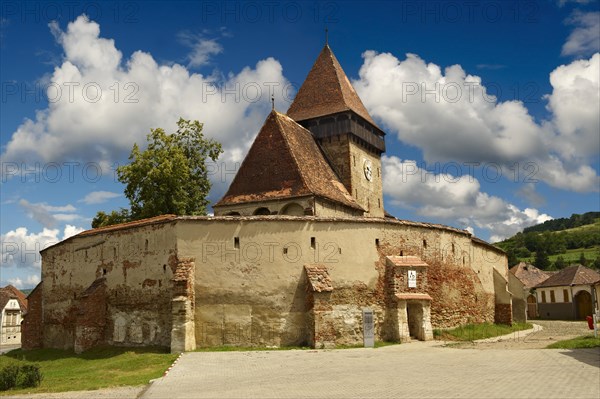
[[326, 36], [272, 102]]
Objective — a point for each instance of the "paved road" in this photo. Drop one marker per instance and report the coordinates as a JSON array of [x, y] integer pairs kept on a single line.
[[551, 331], [416, 370]]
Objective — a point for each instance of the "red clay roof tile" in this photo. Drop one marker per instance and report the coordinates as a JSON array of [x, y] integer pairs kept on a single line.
[[326, 91], [285, 162]]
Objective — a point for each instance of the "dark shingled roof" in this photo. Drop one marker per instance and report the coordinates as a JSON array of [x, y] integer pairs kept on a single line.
[[529, 275], [9, 292], [326, 91], [318, 278], [572, 275], [285, 162]]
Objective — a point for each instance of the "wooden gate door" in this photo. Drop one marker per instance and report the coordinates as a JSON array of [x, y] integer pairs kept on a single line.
[[531, 307], [584, 304]]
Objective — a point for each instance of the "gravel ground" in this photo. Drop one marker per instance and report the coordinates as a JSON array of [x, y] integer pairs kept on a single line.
[[552, 331], [109, 393]]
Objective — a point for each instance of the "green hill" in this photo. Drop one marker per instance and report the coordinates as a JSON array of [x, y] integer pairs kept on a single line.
[[557, 243]]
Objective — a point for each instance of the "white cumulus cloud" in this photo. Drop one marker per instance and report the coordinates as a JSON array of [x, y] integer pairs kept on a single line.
[[453, 198], [450, 116], [575, 105], [70, 231], [136, 94], [49, 215], [21, 248], [30, 281], [99, 197], [585, 38], [202, 48]]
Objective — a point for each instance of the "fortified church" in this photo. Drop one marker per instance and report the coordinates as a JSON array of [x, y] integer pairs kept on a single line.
[[299, 247]]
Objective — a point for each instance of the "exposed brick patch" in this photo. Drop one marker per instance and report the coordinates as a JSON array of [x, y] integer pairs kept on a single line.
[[318, 278], [457, 297], [32, 333], [183, 303], [183, 278], [91, 316], [503, 314], [149, 283]]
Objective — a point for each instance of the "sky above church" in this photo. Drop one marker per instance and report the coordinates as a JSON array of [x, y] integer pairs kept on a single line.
[[491, 108]]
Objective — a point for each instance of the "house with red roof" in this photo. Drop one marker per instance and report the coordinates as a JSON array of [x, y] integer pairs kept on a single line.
[[13, 304], [523, 277], [568, 294]]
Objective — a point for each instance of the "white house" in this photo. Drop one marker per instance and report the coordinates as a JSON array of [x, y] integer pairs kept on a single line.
[[13, 305], [568, 294]]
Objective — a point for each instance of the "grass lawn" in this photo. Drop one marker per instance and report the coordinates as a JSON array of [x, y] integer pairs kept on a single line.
[[472, 332], [572, 255], [585, 341], [94, 369]]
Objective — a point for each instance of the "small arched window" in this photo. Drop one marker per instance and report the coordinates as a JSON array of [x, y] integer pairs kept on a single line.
[[262, 211]]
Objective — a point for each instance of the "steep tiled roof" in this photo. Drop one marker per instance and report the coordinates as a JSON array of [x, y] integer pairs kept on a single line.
[[406, 261], [573, 275], [318, 278], [325, 91], [9, 292], [529, 275], [285, 162]]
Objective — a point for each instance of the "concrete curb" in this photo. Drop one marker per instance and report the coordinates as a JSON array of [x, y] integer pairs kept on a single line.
[[514, 336], [167, 370], [173, 365]]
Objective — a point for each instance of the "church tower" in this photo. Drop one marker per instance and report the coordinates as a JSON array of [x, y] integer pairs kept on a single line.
[[328, 106]]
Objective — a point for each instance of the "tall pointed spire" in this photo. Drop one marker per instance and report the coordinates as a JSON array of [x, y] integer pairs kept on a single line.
[[326, 90]]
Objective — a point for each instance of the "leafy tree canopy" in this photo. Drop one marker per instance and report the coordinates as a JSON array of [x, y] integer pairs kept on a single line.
[[169, 177]]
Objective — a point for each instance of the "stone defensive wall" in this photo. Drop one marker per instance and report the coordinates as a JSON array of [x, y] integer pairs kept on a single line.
[[184, 282]]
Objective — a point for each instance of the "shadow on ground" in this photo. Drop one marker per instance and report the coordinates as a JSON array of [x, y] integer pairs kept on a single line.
[[589, 356]]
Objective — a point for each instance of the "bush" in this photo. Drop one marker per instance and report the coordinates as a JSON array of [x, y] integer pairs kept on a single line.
[[8, 377], [29, 376], [25, 376]]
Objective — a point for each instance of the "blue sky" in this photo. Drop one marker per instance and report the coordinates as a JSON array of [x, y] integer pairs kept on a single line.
[[491, 108]]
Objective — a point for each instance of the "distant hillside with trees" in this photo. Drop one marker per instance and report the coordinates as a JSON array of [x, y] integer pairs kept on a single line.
[[557, 243]]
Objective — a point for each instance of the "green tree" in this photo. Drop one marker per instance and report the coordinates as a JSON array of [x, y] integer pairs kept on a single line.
[[169, 177], [541, 259], [560, 263], [103, 219], [582, 260], [512, 257]]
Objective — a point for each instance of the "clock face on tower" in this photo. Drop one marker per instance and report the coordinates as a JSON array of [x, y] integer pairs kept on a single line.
[[368, 169]]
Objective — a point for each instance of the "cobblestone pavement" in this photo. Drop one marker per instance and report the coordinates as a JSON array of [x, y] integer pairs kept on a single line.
[[415, 370], [552, 331]]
